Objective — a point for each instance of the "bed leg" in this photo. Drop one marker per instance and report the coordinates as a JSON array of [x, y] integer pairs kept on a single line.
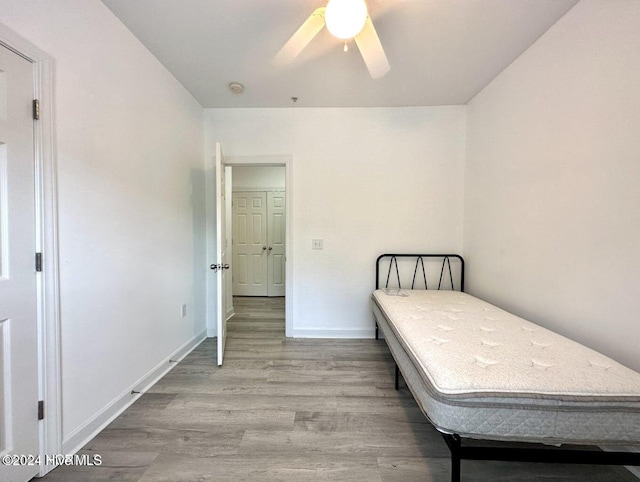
[[454, 442], [397, 377], [376, 331], [455, 468]]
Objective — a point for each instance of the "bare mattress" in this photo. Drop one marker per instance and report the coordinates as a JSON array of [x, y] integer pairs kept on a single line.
[[481, 372]]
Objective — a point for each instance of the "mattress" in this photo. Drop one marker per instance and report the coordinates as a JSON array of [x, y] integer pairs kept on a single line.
[[481, 372]]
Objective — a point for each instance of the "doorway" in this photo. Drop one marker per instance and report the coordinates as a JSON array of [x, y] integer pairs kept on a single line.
[[232, 163], [258, 229]]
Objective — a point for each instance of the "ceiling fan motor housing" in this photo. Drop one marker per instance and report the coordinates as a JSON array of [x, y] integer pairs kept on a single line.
[[345, 18]]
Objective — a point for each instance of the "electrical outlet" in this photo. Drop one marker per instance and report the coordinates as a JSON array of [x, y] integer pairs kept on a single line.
[[183, 310], [316, 244]]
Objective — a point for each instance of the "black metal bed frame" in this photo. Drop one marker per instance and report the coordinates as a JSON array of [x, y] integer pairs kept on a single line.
[[454, 441], [446, 261]]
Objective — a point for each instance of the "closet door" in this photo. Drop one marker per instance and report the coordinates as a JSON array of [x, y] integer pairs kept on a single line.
[[250, 244], [276, 243]]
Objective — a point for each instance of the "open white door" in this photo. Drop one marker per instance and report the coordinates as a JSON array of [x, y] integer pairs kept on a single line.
[[19, 426], [221, 266]]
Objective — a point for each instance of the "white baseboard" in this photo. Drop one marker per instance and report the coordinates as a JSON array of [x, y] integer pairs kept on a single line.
[[83, 434], [230, 313], [358, 334], [616, 448]]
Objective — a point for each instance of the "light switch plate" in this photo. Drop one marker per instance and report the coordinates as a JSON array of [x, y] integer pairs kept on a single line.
[[316, 244]]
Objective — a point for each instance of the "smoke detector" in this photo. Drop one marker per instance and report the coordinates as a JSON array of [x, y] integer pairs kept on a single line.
[[236, 87]]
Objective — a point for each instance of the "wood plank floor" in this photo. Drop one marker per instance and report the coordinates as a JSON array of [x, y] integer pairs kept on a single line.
[[287, 410]]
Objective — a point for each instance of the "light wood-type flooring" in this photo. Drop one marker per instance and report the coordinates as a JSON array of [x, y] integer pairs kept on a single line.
[[288, 410]]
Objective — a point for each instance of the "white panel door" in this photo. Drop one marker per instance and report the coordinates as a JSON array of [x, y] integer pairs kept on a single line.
[[276, 243], [250, 244], [221, 266], [18, 323]]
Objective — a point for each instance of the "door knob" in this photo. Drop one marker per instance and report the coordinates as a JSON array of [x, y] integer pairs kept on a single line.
[[264, 248], [270, 248], [216, 267]]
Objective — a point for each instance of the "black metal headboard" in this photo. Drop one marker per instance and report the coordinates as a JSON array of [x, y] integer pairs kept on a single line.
[[445, 268], [403, 266]]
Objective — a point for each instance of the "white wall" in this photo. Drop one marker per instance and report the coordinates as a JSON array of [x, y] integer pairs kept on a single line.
[[552, 209], [258, 177], [129, 146], [367, 181]]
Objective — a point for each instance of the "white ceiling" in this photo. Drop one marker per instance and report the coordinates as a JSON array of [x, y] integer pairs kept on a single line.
[[442, 52]]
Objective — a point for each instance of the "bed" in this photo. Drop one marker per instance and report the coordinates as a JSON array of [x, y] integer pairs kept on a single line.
[[479, 372]]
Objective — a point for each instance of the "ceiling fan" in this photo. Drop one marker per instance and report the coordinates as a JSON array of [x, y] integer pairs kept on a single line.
[[345, 19]]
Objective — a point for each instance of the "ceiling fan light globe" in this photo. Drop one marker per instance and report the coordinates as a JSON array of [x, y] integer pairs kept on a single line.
[[345, 18]]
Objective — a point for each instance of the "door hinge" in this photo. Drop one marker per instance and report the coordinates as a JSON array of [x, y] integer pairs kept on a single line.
[[36, 109], [41, 410], [38, 261]]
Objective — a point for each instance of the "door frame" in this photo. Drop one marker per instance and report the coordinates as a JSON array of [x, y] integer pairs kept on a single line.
[[285, 161], [47, 281]]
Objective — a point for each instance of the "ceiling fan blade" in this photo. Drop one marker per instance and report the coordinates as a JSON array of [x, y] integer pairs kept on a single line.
[[372, 52], [299, 40]]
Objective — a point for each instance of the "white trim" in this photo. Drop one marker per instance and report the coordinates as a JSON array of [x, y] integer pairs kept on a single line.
[[258, 161], [634, 470], [210, 250], [47, 243], [83, 434], [624, 448], [230, 313], [259, 189], [366, 333]]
